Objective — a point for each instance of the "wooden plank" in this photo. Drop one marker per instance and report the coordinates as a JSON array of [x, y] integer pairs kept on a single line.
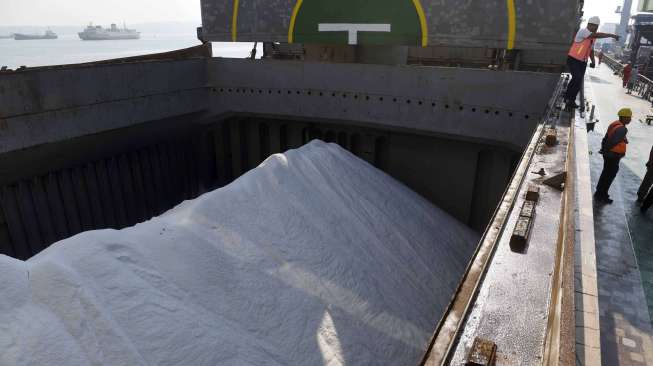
[[18, 247], [93, 189], [117, 195], [107, 198], [69, 202], [42, 210], [81, 194], [28, 216], [56, 205]]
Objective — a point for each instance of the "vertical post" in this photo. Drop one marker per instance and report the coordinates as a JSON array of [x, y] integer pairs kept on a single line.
[[582, 96]]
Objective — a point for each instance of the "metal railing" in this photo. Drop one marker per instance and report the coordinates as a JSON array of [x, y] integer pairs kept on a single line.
[[613, 64], [643, 86]]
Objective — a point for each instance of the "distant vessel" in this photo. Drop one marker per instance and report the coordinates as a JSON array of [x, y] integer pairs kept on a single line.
[[97, 33], [24, 37]]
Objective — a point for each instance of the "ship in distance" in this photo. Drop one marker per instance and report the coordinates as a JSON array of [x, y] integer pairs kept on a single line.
[[97, 33], [25, 37]]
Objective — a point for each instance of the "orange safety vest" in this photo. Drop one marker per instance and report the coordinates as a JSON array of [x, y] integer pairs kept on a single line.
[[581, 50], [619, 148]]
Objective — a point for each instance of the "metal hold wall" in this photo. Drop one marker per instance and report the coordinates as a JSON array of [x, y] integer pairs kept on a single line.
[[115, 192], [478, 105], [137, 183], [47, 105]]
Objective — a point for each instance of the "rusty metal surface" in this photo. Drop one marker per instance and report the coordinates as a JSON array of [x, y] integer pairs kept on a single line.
[[492, 23]]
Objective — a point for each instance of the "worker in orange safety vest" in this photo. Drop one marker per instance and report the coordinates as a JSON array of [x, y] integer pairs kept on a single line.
[[581, 50], [613, 148]]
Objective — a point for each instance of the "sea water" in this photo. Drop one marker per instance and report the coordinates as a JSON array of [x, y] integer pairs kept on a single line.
[[69, 49]]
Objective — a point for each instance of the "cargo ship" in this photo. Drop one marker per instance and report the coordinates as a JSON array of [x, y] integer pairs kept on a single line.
[[97, 33], [472, 121], [26, 37]]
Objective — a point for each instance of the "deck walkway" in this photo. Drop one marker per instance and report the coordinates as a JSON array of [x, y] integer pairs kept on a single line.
[[624, 237]]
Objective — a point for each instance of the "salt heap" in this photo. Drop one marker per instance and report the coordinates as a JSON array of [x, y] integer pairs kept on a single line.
[[313, 258]]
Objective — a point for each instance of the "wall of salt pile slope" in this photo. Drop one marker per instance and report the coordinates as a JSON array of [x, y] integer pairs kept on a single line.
[[315, 257]]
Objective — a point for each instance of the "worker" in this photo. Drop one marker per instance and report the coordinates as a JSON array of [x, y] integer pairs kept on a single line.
[[628, 69], [580, 51], [647, 182], [632, 81], [613, 148]]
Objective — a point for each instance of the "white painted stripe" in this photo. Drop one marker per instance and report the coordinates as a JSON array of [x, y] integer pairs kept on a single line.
[[353, 29]]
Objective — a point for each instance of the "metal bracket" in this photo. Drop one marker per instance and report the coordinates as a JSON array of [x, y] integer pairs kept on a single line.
[[557, 181]]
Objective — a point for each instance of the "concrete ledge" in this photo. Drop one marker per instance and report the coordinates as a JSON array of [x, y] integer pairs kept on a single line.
[[586, 303]]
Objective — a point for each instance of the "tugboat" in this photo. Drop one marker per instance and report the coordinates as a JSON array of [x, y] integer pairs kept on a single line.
[[97, 33], [25, 37]]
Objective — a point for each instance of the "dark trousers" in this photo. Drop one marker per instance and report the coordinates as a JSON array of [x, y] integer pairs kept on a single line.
[[577, 70], [610, 169], [648, 201], [647, 182]]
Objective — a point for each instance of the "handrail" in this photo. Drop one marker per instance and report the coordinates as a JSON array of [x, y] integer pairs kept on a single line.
[[613, 64], [643, 85]]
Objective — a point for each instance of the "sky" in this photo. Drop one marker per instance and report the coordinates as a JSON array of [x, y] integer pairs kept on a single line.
[[604, 9], [101, 12], [81, 12]]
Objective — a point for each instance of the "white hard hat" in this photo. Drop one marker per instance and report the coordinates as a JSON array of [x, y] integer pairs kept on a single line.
[[594, 20]]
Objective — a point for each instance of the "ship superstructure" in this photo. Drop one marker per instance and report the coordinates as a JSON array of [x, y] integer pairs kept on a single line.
[[98, 33]]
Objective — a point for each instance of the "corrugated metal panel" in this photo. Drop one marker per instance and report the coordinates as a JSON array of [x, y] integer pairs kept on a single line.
[[115, 192], [133, 186]]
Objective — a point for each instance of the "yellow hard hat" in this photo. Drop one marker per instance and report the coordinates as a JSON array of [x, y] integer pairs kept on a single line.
[[625, 112]]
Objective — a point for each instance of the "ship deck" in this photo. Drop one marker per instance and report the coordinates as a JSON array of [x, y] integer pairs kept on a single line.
[[624, 237]]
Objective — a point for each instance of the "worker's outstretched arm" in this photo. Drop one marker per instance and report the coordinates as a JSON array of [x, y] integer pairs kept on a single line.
[[599, 35]]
